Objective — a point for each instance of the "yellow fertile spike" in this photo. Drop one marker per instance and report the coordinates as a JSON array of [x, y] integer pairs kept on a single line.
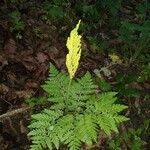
[[74, 47]]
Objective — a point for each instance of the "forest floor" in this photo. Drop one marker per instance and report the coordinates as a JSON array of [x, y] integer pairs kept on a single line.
[[24, 66]]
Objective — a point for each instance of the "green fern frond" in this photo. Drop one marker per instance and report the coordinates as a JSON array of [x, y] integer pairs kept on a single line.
[[36, 147], [107, 99], [42, 129], [116, 108], [120, 118], [104, 123], [75, 143], [106, 111], [86, 128], [87, 84], [57, 88], [76, 115], [56, 85], [65, 125], [49, 143]]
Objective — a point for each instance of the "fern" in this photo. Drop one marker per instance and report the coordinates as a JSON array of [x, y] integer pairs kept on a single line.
[[75, 116], [43, 134], [106, 112], [57, 88], [77, 112]]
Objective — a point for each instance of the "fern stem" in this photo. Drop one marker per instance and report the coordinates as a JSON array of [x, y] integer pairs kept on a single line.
[[66, 102], [69, 84], [69, 88]]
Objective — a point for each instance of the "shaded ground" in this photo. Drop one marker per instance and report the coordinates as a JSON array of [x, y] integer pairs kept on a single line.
[[24, 65]]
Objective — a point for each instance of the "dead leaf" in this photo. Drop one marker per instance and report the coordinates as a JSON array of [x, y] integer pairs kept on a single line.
[[52, 52], [29, 62], [3, 89], [3, 62], [31, 84], [23, 129], [10, 47], [4, 24], [41, 71], [24, 93], [60, 63], [41, 57]]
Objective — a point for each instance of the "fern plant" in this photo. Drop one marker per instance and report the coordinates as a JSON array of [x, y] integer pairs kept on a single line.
[[77, 112]]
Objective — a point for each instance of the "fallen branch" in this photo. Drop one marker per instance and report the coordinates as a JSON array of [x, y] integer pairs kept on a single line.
[[13, 112]]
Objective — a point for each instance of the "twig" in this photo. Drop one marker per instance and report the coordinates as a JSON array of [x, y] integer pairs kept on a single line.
[[13, 112]]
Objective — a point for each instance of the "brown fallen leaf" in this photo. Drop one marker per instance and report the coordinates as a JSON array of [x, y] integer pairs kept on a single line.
[[41, 57], [4, 24], [31, 84], [24, 93], [60, 63], [29, 62], [3, 89], [10, 47], [3, 62], [52, 52], [41, 71]]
